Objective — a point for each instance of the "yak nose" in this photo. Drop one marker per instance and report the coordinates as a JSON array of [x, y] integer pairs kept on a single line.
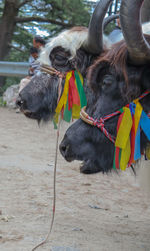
[[66, 149], [63, 149]]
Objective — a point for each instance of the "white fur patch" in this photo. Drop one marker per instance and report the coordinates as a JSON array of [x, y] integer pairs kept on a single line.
[[69, 40]]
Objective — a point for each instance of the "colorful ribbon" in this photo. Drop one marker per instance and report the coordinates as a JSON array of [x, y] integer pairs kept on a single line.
[[131, 122], [73, 98]]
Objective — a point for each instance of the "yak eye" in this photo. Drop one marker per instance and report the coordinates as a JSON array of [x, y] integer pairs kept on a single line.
[[107, 81], [59, 57]]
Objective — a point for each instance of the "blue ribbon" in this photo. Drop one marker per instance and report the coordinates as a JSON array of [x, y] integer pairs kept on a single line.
[[137, 148], [145, 124]]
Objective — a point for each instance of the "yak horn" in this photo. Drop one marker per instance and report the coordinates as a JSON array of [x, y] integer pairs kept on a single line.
[[95, 32], [138, 47], [107, 20]]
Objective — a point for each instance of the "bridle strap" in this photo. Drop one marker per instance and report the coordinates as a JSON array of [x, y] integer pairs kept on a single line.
[[100, 122], [52, 71]]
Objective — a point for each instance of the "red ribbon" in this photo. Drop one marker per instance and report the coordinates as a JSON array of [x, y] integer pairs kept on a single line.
[[117, 149], [73, 95]]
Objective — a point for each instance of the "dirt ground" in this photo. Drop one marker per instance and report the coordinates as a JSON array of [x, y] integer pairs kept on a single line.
[[93, 213]]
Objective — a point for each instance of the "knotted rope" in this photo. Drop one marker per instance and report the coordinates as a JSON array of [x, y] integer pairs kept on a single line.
[[52, 71]]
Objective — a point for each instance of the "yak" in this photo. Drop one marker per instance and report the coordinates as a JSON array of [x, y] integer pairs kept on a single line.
[[120, 75]]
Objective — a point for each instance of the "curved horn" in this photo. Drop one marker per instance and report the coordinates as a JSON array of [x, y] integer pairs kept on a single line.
[[138, 47], [95, 33], [107, 20], [145, 17]]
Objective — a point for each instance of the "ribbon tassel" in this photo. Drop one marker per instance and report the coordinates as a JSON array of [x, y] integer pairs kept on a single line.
[[128, 140], [72, 99]]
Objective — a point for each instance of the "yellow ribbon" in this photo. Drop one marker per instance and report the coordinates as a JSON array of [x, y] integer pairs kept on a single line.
[[125, 155], [63, 99], [124, 129], [76, 111], [137, 115]]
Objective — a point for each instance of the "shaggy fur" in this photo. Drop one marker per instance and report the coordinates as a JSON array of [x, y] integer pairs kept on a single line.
[[114, 83], [70, 40]]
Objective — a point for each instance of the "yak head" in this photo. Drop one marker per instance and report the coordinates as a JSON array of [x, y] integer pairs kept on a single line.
[[72, 49], [118, 76]]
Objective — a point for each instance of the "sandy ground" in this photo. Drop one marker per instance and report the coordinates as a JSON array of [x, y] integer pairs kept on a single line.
[[93, 213]]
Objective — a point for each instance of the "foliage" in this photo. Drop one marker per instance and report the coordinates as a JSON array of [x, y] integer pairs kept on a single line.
[[110, 27], [2, 102], [66, 13]]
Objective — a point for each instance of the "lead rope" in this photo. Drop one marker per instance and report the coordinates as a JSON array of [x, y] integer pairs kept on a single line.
[[54, 190]]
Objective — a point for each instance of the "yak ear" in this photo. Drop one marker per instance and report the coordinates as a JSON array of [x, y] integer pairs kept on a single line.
[[96, 74], [82, 61], [146, 79]]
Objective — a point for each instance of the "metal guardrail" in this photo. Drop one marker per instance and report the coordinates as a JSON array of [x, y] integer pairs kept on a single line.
[[14, 69]]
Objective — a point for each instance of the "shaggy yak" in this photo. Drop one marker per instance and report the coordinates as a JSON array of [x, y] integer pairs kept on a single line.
[[119, 76], [73, 49]]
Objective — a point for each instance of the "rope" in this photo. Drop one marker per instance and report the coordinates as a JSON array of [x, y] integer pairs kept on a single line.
[[52, 71], [54, 192]]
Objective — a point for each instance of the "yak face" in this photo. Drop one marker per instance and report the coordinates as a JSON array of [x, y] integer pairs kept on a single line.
[[38, 100], [112, 89]]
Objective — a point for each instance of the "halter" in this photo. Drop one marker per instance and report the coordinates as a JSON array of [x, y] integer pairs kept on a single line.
[[52, 71], [100, 122]]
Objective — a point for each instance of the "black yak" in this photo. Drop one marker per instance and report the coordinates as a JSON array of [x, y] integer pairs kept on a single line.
[[119, 76]]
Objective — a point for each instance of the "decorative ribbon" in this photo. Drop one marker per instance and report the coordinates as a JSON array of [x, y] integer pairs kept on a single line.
[[131, 122], [73, 98]]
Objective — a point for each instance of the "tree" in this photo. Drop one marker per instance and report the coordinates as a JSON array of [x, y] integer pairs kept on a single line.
[[18, 15]]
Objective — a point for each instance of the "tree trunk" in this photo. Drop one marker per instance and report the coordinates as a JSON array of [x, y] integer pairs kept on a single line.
[[7, 26], [145, 13]]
